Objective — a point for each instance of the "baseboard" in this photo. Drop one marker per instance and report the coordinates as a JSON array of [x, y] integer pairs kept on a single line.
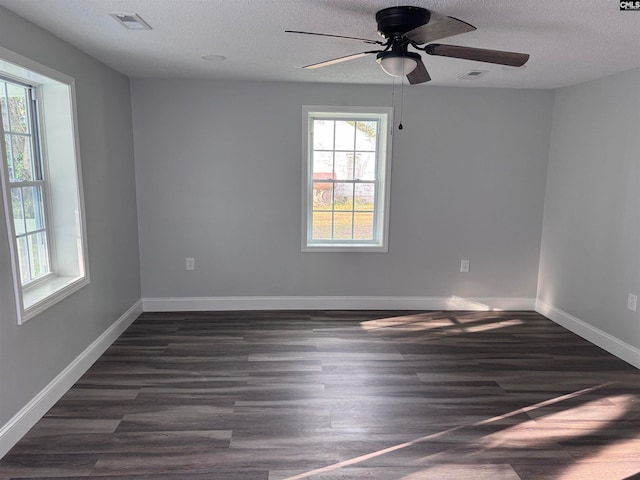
[[33, 411], [180, 304], [611, 344]]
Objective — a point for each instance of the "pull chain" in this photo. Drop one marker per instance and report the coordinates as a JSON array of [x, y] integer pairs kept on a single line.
[[393, 91], [400, 127]]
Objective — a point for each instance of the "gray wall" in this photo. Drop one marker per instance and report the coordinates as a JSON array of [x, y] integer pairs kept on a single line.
[[219, 179], [31, 355], [591, 237], [219, 168]]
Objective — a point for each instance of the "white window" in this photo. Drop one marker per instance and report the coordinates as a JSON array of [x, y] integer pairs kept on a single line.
[[26, 180], [41, 188], [346, 177]]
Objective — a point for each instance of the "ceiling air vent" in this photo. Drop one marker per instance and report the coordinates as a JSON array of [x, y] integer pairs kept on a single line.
[[473, 75], [131, 21]]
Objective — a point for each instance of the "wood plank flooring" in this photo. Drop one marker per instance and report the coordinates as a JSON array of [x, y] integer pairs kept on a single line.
[[342, 395]]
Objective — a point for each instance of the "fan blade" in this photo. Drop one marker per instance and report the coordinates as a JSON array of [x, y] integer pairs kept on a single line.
[[365, 40], [326, 63], [419, 75], [478, 54], [440, 28]]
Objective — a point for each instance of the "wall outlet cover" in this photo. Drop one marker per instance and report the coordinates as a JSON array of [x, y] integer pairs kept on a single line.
[[632, 302]]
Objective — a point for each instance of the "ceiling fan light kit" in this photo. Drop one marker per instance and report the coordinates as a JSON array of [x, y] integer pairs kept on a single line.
[[398, 64], [406, 26]]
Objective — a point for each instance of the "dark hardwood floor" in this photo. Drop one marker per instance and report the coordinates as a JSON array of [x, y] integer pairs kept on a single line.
[[342, 395]]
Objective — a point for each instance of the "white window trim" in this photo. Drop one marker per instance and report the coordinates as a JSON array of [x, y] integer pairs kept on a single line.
[[35, 140], [36, 298], [383, 175]]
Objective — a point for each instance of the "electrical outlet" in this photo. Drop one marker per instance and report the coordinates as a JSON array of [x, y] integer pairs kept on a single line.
[[632, 302], [190, 263], [464, 265]]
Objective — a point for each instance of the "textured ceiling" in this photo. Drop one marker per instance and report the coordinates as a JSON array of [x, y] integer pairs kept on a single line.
[[570, 41]]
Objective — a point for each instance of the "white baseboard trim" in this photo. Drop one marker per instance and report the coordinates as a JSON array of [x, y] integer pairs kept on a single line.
[[611, 344], [33, 411], [185, 304]]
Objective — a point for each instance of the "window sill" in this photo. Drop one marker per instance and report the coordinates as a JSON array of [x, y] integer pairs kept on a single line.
[[337, 247], [46, 294]]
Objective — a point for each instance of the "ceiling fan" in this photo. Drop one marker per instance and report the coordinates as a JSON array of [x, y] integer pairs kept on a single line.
[[405, 26]]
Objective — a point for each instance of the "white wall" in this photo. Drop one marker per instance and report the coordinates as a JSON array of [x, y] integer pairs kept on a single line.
[[590, 257], [34, 354], [219, 179]]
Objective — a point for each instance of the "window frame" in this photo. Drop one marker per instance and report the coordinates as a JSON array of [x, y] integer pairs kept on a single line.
[[39, 163], [59, 147], [382, 179]]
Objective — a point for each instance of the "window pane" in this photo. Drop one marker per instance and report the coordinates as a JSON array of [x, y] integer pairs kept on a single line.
[[366, 135], [322, 195], [344, 165], [345, 135], [342, 225], [363, 226], [17, 108], [321, 225], [21, 158], [33, 211], [365, 168], [23, 258], [322, 164], [38, 254], [344, 196], [7, 144], [365, 197], [3, 107], [18, 217], [323, 134]]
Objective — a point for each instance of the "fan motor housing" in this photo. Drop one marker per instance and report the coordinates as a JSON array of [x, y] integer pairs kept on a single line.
[[396, 21]]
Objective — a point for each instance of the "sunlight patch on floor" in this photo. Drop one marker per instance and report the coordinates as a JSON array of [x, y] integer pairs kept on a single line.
[[473, 452], [456, 472], [440, 324]]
